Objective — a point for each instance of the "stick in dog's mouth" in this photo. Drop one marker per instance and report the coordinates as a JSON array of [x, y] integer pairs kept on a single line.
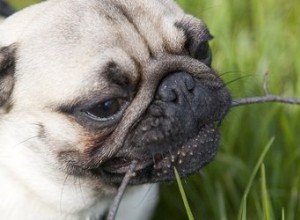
[[117, 199]]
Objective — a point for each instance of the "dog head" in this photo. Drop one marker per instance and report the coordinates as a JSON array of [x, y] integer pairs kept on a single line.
[[90, 86]]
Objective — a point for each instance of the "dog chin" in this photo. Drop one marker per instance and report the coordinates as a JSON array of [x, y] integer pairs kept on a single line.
[[188, 157]]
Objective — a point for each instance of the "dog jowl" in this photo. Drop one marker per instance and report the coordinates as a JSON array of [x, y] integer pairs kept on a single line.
[[86, 87]]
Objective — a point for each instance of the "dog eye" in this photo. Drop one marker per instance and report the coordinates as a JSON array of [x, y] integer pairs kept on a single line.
[[105, 110], [203, 53]]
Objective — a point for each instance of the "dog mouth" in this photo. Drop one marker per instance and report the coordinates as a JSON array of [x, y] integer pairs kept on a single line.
[[188, 157], [120, 165]]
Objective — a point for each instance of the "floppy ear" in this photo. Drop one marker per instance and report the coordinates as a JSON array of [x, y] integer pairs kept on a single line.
[[7, 70]]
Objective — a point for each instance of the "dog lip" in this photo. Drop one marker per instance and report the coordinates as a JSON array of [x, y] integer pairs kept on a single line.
[[120, 165], [158, 167]]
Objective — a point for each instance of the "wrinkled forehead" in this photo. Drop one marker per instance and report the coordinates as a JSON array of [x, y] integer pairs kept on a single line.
[[138, 27], [68, 42]]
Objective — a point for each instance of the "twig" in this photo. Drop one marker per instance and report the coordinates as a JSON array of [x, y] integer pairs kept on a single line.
[[265, 99], [266, 84], [116, 202], [268, 97]]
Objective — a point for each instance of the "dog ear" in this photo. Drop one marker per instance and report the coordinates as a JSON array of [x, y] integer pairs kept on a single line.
[[7, 70]]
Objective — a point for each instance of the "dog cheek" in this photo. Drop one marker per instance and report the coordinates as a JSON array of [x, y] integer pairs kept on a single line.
[[60, 134], [63, 135]]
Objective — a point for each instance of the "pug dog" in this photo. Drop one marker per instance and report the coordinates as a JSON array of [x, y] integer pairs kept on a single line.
[[87, 87]]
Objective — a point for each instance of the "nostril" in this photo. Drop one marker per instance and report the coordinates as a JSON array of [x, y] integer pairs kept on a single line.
[[167, 93], [189, 82], [175, 86]]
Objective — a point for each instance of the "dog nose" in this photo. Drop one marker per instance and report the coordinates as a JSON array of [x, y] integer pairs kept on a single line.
[[192, 100], [175, 87]]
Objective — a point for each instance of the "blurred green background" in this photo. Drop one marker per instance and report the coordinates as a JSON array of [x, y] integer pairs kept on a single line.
[[251, 38]]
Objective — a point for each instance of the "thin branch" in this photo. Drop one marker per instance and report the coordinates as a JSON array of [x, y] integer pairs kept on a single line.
[[266, 84], [265, 99], [117, 200], [268, 97]]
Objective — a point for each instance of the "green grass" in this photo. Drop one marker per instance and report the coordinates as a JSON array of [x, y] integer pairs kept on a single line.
[[183, 196], [243, 207], [21, 4], [251, 38]]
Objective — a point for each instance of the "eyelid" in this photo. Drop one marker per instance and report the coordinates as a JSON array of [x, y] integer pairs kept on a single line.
[[77, 105], [122, 102], [206, 37], [99, 123]]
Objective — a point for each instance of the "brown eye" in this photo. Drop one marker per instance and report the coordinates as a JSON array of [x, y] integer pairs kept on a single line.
[[106, 109]]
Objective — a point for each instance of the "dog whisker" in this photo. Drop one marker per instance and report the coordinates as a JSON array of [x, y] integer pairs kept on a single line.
[[24, 141], [236, 79], [62, 192], [154, 161], [81, 192], [230, 72]]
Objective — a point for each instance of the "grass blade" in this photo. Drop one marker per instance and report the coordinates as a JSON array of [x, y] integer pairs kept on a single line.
[[183, 195], [265, 197], [282, 214], [242, 211], [221, 203]]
